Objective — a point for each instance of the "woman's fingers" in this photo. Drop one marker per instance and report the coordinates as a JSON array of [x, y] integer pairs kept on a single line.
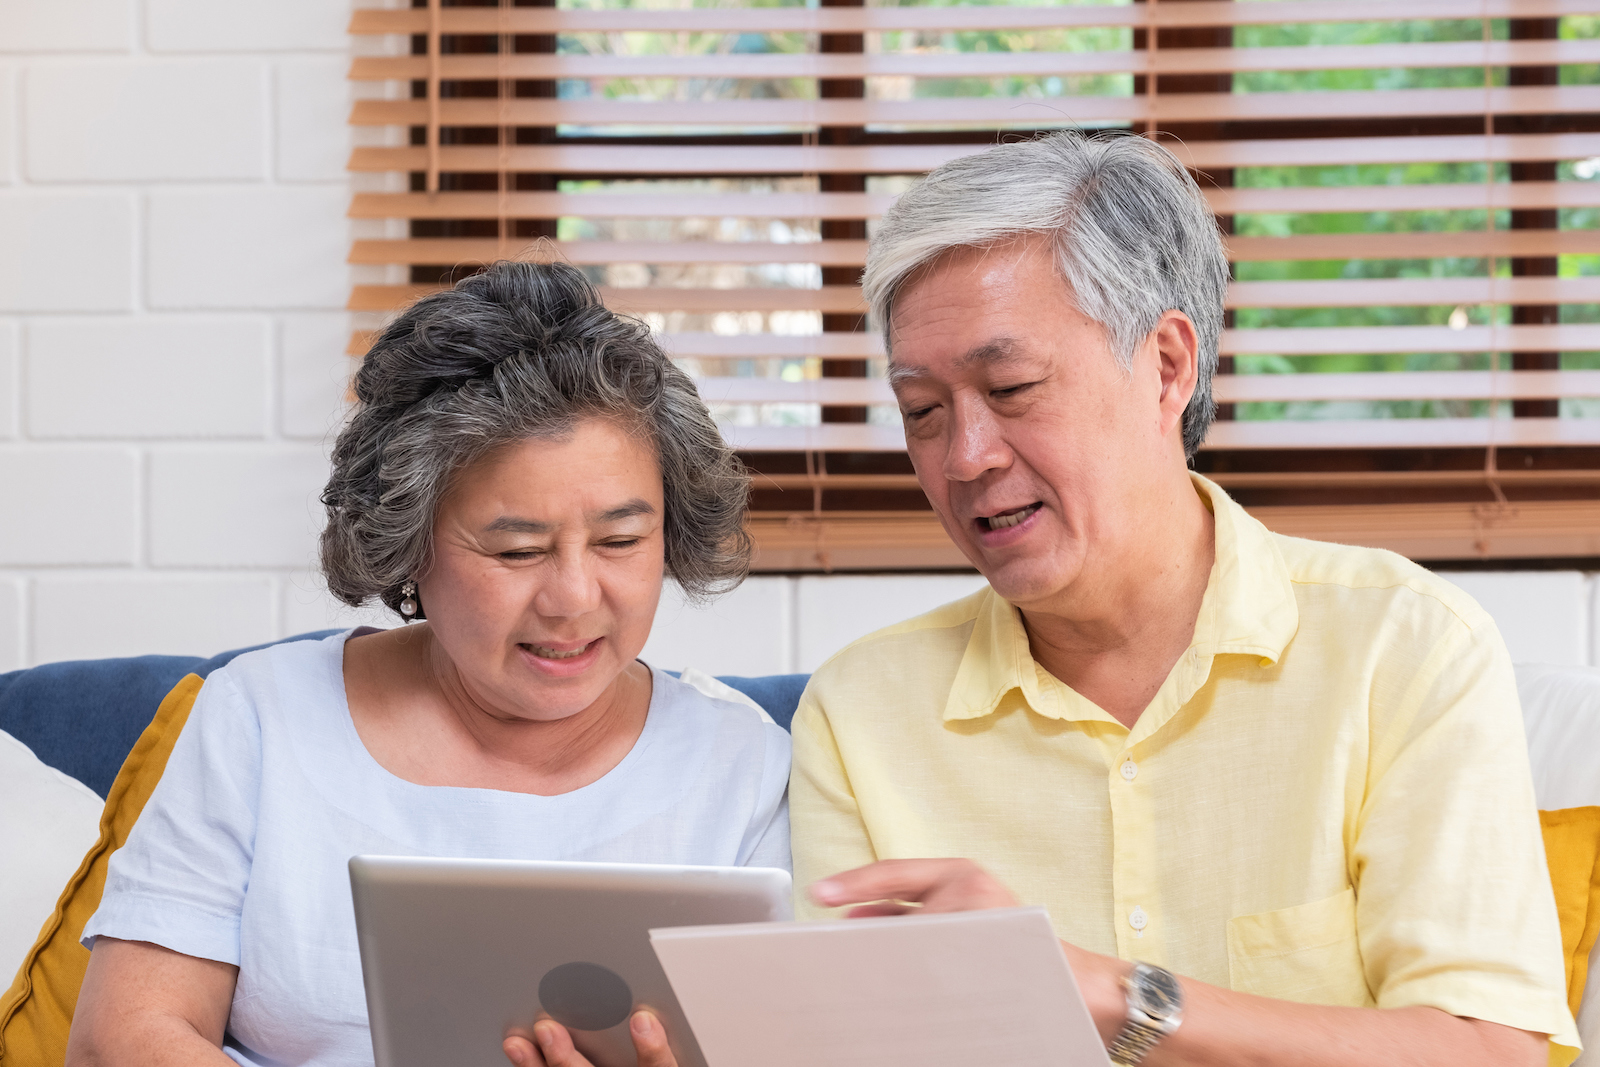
[[520, 1049], [551, 1046], [556, 1045], [938, 885], [650, 1041]]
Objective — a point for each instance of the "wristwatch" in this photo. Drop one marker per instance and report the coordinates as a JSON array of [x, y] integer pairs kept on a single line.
[[1155, 1008]]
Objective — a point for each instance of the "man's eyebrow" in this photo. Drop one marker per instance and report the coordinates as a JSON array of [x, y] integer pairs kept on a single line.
[[999, 350]]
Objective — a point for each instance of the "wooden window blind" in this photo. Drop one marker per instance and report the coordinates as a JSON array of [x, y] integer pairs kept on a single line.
[[1409, 191]]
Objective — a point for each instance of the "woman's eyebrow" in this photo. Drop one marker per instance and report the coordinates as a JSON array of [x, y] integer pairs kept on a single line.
[[509, 524], [512, 524], [636, 506]]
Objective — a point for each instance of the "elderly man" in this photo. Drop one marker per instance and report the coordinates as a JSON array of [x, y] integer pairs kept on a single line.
[[1287, 778]]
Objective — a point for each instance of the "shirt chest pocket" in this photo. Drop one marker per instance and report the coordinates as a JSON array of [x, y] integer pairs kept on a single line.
[[1308, 953]]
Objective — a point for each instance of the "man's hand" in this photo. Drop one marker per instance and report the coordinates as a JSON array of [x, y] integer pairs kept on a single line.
[[551, 1046], [903, 887], [898, 887], [1221, 1028]]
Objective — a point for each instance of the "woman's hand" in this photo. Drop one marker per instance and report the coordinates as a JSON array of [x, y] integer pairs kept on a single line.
[[551, 1046], [900, 887]]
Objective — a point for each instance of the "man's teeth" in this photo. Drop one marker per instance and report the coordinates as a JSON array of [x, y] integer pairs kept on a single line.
[[1003, 522], [550, 653]]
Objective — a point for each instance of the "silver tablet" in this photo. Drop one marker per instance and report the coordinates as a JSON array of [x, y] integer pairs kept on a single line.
[[457, 952]]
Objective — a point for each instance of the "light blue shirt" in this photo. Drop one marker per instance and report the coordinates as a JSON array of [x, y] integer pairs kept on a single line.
[[240, 855]]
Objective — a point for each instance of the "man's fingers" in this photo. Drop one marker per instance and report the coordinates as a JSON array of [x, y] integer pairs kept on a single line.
[[878, 911], [887, 880], [650, 1041]]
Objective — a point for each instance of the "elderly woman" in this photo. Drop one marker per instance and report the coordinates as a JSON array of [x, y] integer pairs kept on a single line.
[[522, 470]]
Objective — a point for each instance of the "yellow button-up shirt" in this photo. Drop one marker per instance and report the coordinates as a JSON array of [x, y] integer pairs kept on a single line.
[[1327, 801]]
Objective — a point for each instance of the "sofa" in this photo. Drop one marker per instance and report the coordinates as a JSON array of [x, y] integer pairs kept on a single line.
[[65, 729]]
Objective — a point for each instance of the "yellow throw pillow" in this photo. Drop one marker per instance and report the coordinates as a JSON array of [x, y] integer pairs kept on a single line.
[[36, 1012], [1572, 849]]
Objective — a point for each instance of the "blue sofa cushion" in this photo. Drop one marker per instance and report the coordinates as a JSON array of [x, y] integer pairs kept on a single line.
[[82, 717], [778, 693]]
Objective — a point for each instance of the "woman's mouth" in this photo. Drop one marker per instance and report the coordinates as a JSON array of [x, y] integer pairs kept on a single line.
[[551, 652], [1007, 519]]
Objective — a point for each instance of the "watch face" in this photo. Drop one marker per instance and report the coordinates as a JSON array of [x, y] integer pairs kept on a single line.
[[1160, 991]]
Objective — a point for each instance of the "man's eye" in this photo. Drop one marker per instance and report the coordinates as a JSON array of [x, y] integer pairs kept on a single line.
[[521, 553], [1011, 390], [915, 414], [624, 543]]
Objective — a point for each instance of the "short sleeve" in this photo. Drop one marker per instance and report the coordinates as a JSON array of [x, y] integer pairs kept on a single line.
[[180, 880], [825, 820], [1454, 905]]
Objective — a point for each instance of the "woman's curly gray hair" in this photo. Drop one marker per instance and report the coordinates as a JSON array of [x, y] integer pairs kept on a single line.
[[520, 351]]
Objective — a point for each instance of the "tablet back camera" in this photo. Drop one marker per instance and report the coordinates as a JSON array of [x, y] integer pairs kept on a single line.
[[585, 996]]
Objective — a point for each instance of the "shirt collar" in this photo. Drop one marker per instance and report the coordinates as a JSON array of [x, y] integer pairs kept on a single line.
[[1248, 609]]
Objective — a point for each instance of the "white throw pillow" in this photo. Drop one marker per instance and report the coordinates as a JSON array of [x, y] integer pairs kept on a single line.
[[1561, 716], [718, 689], [48, 821]]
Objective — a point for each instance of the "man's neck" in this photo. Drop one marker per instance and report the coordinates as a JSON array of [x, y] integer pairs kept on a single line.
[[1116, 636]]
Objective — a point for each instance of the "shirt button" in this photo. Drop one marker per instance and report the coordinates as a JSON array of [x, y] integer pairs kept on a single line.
[[1130, 770], [1138, 919]]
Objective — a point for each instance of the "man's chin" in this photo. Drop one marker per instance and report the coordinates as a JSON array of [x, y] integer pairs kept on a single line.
[[1028, 580]]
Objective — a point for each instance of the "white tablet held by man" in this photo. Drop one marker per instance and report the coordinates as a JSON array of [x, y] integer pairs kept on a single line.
[[457, 953]]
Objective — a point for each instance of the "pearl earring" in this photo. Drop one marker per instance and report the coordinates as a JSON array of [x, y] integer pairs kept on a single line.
[[408, 606]]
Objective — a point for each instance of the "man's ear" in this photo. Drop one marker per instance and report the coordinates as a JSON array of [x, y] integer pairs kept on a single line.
[[1177, 346]]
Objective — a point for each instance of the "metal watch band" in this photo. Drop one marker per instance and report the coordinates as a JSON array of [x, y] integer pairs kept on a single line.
[[1134, 1043], [1155, 1009]]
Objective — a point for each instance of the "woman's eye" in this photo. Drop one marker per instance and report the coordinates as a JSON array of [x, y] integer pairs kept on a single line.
[[627, 542], [521, 553]]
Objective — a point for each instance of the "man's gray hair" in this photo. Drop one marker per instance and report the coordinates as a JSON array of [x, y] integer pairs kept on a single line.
[[1133, 238], [521, 351]]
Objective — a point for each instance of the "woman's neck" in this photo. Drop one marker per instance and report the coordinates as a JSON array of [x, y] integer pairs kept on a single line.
[[421, 720]]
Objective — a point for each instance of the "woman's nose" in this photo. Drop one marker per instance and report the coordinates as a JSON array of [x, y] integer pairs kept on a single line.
[[571, 588]]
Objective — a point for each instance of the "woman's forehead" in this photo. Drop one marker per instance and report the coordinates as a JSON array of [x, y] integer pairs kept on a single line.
[[599, 470]]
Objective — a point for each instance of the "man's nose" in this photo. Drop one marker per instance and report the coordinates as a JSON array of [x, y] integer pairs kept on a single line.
[[975, 445]]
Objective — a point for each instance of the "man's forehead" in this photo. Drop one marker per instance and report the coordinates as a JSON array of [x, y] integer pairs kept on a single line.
[[996, 351]]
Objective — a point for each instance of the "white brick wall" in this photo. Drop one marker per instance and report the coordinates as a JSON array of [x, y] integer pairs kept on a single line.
[[83, 26], [134, 120], [63, 251], [172, 279], [13, 646], [8, 120], [10, 393], [206, 376], [68, 505], [110, 614], [172, 334], [245, 25]]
